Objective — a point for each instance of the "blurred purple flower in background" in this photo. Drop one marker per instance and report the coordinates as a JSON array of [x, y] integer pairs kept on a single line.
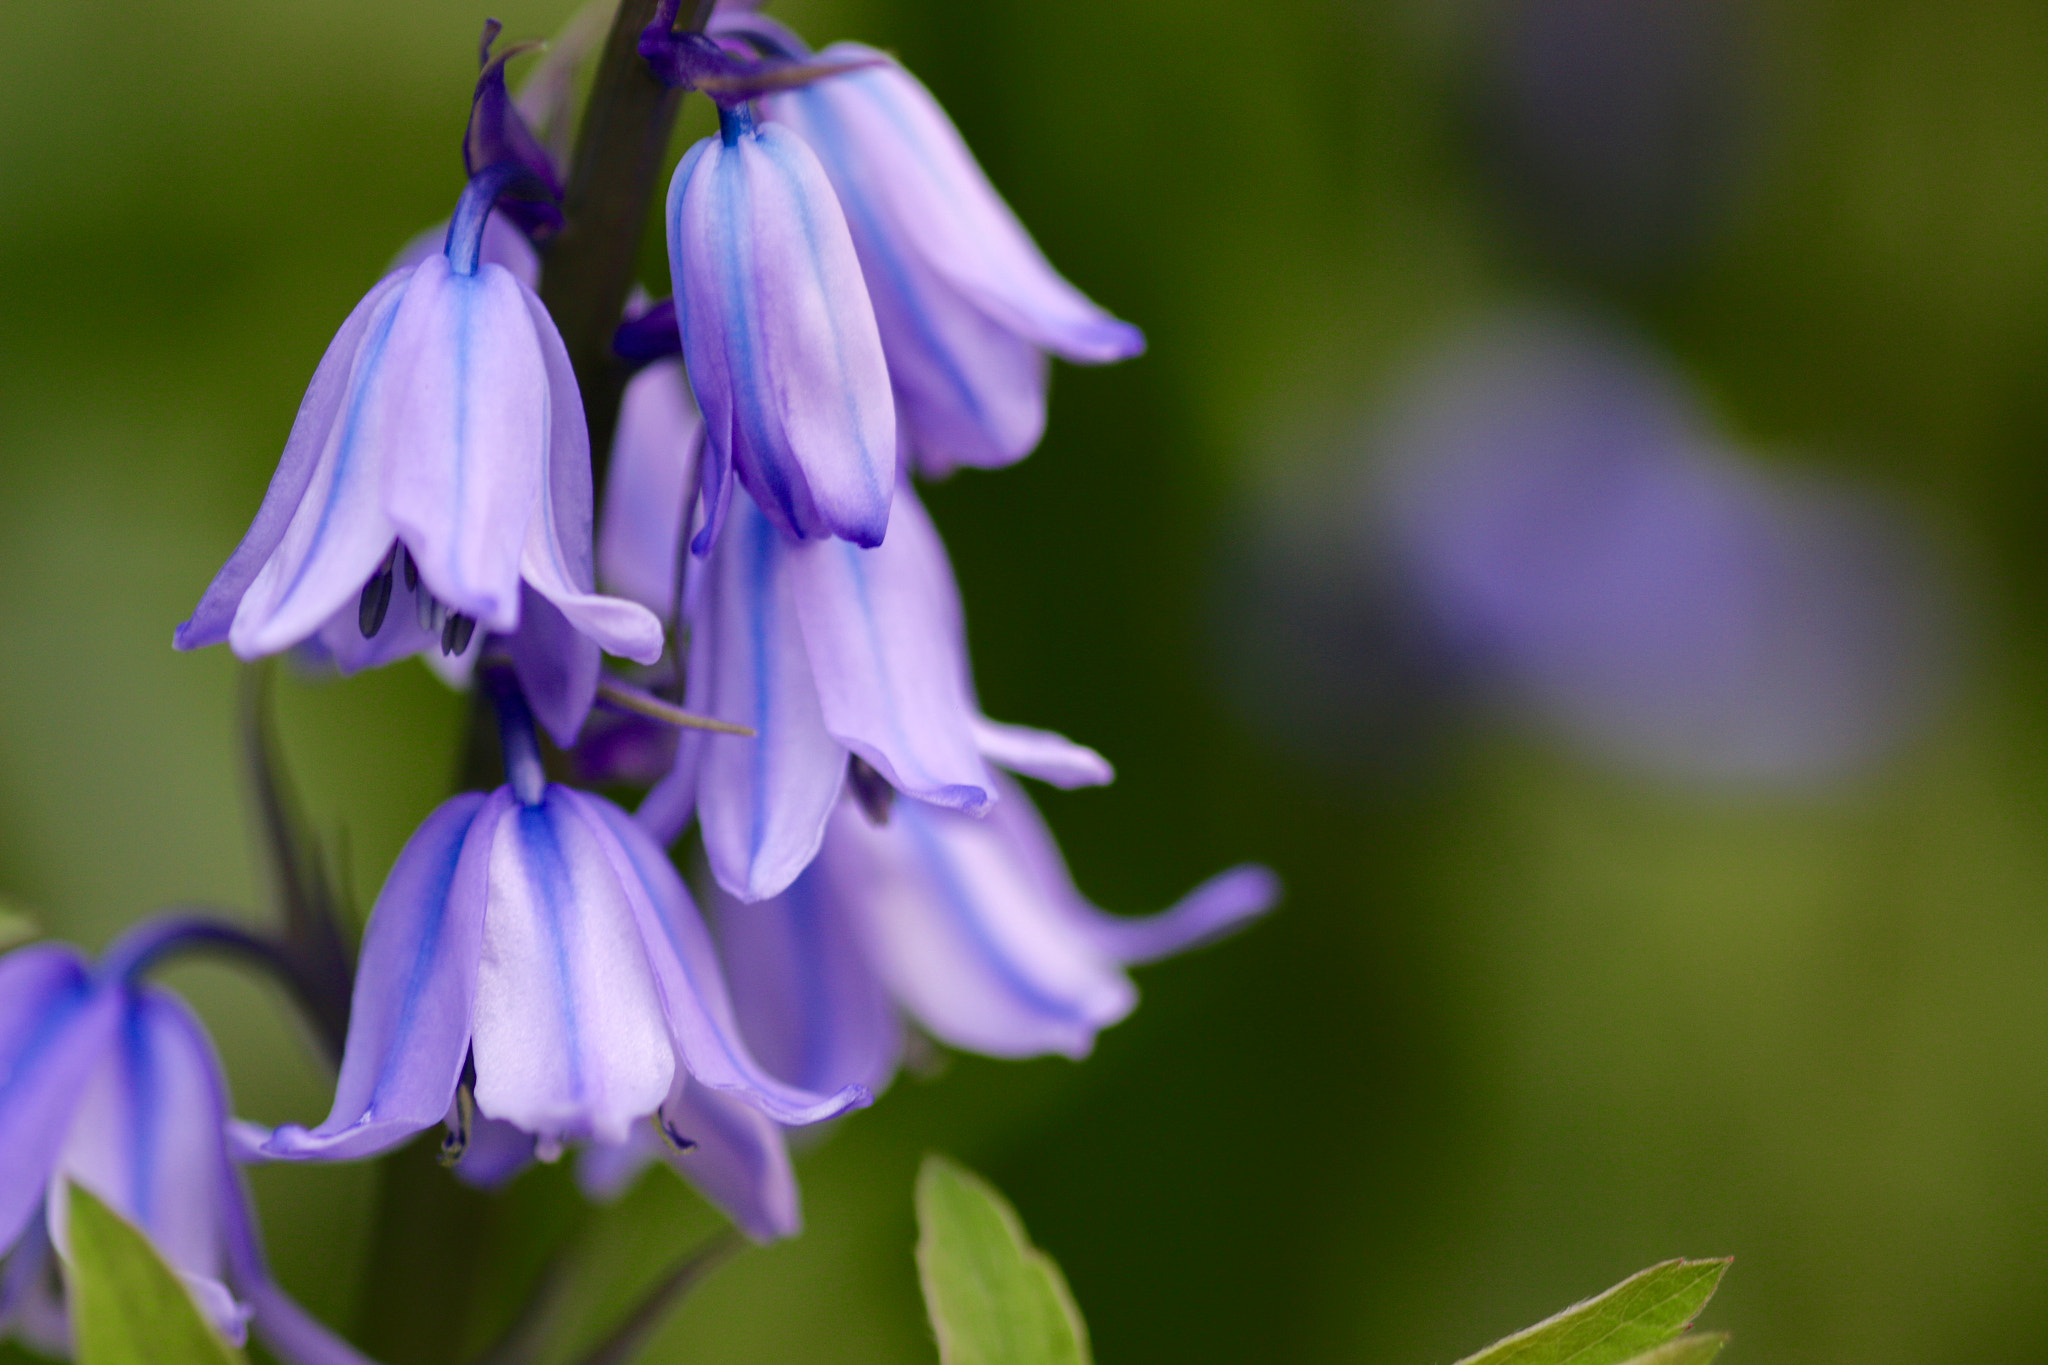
[[1552, 515], [111, 1084]]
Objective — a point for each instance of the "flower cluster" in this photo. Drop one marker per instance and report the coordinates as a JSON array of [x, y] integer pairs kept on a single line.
[[853, 306]]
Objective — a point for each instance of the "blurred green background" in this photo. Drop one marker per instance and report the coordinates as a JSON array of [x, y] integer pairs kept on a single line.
[[1523, 1026]]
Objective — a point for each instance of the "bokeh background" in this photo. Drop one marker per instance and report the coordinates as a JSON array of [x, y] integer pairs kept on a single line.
[[1540, 1008]]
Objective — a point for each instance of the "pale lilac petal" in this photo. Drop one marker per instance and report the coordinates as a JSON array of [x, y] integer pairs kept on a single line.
[[692, 986], [497, 1152], [650, 487], [762, 801], [294, 1335], [416, 989], [809, 1005], [556, 559], [739, 1160], [311, 441], [1050, 758], [147, 1138], [606, 1170], [336, 530], [571, 1040], [780, 337], [969, 389], [882, 629], [54, 1027], [957, 923], [466, 454], [558, 666], [880, 127], [1219, 906]]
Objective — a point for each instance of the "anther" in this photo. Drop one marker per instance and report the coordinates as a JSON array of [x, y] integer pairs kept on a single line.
[[456, 633], [432, 615], [674, 1135], [412, 572], [376, 601], [456, 1141], [871, 790]]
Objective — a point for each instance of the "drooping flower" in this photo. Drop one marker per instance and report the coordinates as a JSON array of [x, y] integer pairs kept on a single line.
[[967, 304], [650, 487], [779, 337], [830, 653], [436, 480], [971, 927], [538, 937], [110, 1083]]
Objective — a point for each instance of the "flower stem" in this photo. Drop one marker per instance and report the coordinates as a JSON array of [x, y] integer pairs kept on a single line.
[[620, 147]]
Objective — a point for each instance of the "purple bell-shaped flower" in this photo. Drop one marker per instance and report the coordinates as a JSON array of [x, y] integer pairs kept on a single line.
[[536, 940], [830, 653], [780, 337], [971, 927], [967, 304], [436, 481], [111, 1084]]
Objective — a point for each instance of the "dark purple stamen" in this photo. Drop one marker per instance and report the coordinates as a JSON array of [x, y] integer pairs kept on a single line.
[[649, 335], [412, 571], [456, 633], [674, 1135], [871, 790], [376, 601]]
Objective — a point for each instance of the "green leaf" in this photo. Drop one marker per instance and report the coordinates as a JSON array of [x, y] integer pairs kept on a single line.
[[994, 1299], [127, 1306], [1641, 1313], [1693, 1350]]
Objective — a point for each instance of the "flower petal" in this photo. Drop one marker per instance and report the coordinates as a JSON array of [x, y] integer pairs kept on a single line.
[[557, 666], [650, 488], [416, 988], [570, 1038], [879, 128], [1050, 758], [957, 923], [882, 629], [808, 1003], [556, 558], [762, 801], [497, 1152], [692, 986], [147, 1139], [467, 449], [1221, 905], [54, 1027], [335, 527], [311, 442], [780, 337], [739, 1159]]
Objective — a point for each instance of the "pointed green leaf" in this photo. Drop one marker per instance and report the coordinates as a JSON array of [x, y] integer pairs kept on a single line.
[[994, 1299], [127, 1306], [1642, 1312], [1693, 1350]]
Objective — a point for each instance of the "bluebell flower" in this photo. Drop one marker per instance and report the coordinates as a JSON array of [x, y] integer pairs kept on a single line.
[[732, 1152], [830, 653], [967, 304], [650, 488], [111, 1084], [1576, 528], [779, 337], [537, 940], [436, 482], [971, 927]]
